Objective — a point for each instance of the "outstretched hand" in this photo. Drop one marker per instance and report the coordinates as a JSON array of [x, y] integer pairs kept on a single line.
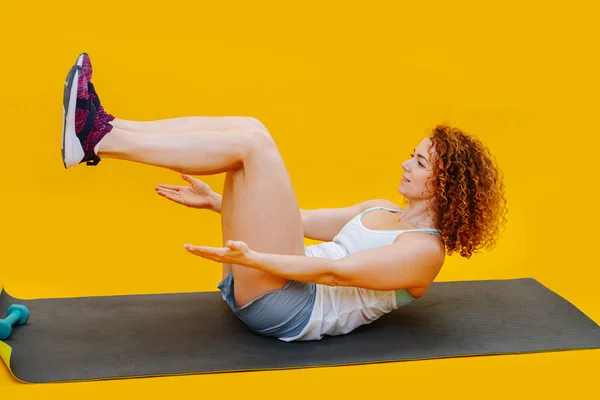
[[234, 252], [197, 194]]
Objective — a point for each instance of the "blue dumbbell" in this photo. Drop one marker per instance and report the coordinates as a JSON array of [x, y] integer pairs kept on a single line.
[[17, 315]]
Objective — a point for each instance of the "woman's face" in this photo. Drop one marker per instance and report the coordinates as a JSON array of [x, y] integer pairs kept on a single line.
[[415, 183]]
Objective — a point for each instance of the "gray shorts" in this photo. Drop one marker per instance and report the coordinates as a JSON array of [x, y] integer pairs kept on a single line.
[[280, 313]]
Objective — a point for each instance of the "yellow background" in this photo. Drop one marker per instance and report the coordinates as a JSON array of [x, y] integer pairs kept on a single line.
[[347, 91]]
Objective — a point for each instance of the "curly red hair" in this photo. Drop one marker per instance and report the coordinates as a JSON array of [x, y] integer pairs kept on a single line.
[[468, 199]]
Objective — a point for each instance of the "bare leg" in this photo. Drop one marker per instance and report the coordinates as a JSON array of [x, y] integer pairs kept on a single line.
[[189, 124], [195, 124], [201, 153], [259, 205], [226, 216]]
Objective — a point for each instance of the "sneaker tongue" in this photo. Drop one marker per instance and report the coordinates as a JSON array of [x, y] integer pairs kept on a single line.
[[87, 67], [82, 87]]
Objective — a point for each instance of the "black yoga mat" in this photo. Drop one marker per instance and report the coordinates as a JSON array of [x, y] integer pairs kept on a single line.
[[167, 334]]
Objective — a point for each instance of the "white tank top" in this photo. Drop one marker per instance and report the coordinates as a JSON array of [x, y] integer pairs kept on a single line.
[[340, 309]]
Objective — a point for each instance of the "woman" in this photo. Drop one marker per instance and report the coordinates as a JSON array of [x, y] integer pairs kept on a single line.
[[374, 256]]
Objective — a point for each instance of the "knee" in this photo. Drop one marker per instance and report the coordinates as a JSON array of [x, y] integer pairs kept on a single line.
[[261, 132], [261, 136], [258, 141], [256, 123]]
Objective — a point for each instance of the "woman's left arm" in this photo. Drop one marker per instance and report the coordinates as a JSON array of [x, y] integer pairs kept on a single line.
[[409, 262], [412, 261]]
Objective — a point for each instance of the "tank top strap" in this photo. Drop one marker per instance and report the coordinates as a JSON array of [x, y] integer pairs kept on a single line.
[[379, 208], [431, 231]]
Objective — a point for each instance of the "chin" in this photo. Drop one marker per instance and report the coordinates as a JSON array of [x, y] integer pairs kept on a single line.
[[403, 192]]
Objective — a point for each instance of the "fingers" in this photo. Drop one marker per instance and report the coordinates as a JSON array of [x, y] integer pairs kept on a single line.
[[166, 191], [172, 195], [196, 250], [210, 253], [171, 187], [192, 249], [207, 251], [227, 254]]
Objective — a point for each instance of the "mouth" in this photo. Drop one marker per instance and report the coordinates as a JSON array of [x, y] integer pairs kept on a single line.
[[404, 179]]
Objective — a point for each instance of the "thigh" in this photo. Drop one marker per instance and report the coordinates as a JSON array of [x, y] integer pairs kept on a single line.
[[261, 210]]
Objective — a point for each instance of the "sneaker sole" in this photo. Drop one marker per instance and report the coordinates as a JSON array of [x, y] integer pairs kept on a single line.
[[72, 151]]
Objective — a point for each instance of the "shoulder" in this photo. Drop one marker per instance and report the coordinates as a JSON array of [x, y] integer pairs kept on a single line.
[[381, 203], [426, 250], [422, 242]]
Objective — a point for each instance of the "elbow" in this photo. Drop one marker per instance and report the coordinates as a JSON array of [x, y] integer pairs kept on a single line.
[[330, 280], [334, 275]]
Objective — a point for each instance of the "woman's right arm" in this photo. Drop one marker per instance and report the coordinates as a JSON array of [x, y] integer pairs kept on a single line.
[[323, 223], [320, 224]]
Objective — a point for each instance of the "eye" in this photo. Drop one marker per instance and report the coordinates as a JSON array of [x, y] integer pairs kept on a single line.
[[412, 155]]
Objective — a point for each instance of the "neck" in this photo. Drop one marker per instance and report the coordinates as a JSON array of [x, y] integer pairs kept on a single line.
[[418, 213]]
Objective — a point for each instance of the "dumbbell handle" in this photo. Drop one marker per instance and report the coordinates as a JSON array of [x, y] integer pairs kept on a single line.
[[18, 314], [13, 317]]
